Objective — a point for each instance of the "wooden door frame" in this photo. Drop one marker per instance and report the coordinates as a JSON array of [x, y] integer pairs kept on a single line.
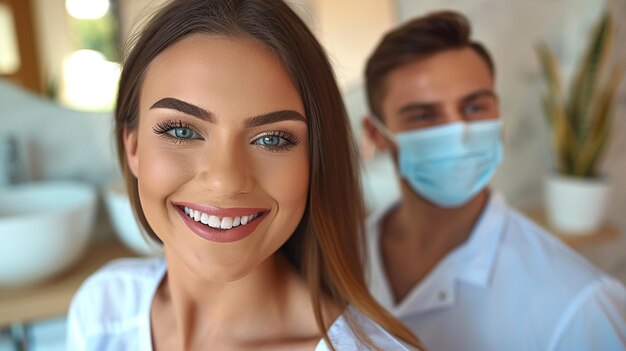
[[28, 75]]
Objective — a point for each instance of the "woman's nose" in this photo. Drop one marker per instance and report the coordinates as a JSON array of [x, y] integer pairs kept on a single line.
[[225, 171]]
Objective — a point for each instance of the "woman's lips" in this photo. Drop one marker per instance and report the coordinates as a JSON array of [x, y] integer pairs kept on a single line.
[[221, 225]]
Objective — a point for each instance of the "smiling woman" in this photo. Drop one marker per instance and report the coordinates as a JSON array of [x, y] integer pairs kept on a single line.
[[238, 157]]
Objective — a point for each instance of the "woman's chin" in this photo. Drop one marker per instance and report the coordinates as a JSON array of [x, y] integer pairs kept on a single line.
[[212, 269]]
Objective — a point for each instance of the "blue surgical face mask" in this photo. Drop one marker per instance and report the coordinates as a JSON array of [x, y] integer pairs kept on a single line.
[[450, 164]]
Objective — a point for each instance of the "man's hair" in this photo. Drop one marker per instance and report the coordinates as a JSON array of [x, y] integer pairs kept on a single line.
[[415, 40]]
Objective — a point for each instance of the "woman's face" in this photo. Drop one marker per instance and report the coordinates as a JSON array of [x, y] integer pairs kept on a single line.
[[220, 154]]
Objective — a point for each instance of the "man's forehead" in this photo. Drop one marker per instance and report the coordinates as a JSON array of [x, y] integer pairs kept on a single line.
[[449, 75]]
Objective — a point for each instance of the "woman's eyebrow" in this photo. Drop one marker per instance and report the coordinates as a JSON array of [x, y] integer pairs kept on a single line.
[[199, 112], [185, 107], [273, 117]]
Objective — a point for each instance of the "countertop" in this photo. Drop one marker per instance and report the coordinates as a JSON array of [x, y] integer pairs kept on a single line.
[[605, 233], [52, 298]]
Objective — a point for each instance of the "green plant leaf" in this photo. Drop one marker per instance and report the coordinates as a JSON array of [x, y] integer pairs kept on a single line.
[[583, 89], [581, 125], [563, 138], [595, 145], [550, 67]]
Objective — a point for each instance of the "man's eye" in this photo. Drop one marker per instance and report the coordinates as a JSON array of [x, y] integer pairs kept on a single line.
[[472, 109], [183, 133], [423, 117]]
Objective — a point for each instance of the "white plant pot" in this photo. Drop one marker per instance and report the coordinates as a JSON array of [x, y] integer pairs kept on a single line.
[[576, 205]]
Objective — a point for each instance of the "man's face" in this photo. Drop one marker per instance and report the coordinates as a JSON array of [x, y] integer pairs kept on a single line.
[[450, 86]]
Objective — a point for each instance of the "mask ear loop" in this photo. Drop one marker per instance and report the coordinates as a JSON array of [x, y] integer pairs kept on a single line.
[[382, 128]]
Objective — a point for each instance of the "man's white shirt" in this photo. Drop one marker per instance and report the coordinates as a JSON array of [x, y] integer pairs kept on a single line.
[[510, 286]]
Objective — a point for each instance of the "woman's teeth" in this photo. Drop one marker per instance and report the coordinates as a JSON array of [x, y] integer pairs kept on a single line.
[[219, 222]]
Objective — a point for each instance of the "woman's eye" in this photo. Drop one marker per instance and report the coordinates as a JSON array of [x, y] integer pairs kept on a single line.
[[183, 133], [271, 141], [177, 131], [276, 142]]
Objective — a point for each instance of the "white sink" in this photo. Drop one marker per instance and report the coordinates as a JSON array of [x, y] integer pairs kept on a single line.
[[127, 228], [45, 228]]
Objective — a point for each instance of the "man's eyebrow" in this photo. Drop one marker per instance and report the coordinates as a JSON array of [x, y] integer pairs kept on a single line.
[[479, 94], [273, 117], [185, 107], [417, 106], [431, 106]]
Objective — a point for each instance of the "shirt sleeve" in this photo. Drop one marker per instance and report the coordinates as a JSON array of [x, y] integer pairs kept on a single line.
[[75, 336], [595, 320]]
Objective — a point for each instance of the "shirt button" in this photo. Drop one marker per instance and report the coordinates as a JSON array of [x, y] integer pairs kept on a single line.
[[443, 296]]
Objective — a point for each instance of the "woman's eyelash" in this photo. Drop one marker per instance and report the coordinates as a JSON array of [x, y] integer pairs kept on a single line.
[[282, 134], [165, 126], [168, 129]]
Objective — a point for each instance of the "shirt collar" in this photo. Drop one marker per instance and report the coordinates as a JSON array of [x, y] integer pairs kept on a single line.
[[478, 253], [472, 262]]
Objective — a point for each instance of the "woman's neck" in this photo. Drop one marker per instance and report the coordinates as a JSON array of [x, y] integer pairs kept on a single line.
[[270, 303]]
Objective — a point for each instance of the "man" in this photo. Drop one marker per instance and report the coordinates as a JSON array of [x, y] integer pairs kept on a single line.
[[450, 258]]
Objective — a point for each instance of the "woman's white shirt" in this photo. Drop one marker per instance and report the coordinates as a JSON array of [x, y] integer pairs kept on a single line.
[[111, 311]]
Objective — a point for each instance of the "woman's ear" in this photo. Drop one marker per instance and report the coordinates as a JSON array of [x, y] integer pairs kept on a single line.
[[130, 148], [374, 135]]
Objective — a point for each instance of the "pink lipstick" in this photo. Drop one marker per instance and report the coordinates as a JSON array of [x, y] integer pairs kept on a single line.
[[222, 225]]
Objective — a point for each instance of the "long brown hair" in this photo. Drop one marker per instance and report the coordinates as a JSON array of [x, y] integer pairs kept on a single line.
[[326, 246], [417, 39]]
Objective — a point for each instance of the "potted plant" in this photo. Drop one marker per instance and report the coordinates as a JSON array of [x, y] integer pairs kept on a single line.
[[577, 191]]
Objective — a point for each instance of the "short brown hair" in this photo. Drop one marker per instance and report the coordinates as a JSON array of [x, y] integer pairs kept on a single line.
[[417, 39]]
